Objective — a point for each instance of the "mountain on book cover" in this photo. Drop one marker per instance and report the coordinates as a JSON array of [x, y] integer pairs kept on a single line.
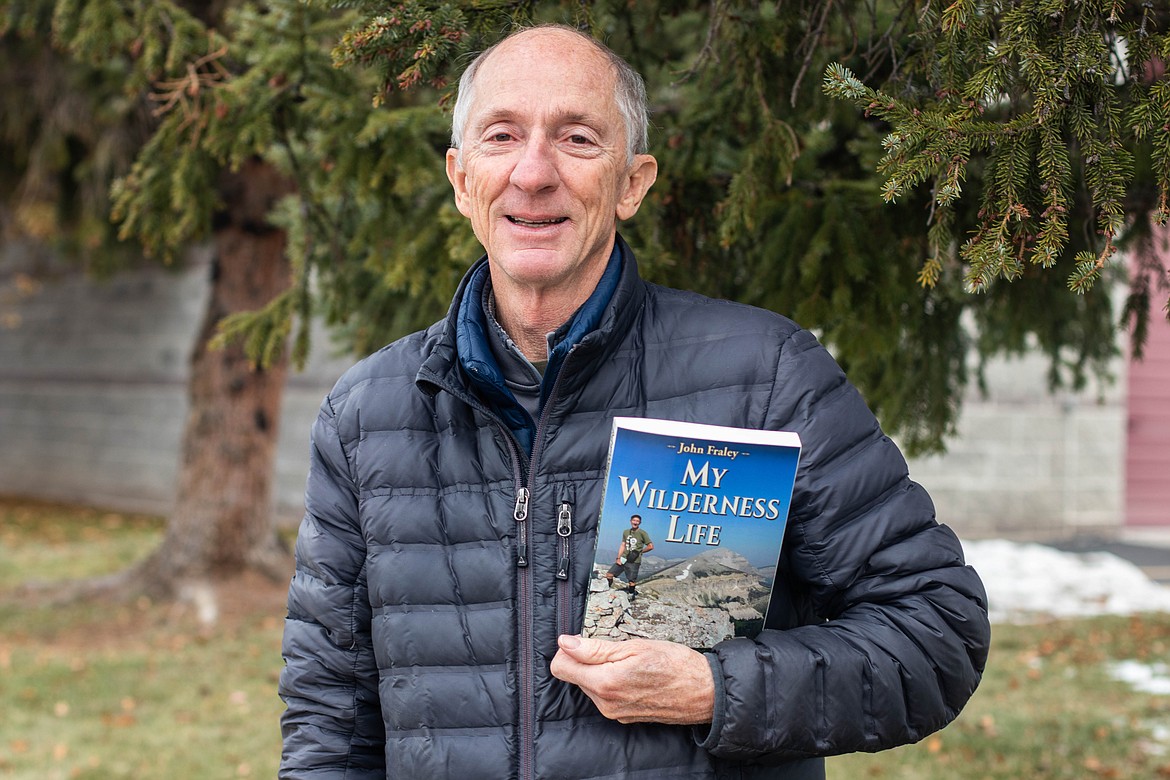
[[692, 522]]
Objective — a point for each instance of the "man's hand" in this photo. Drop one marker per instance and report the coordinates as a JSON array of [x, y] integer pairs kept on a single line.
[[639, 680]]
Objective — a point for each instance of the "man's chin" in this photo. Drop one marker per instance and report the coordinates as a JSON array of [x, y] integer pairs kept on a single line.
[[533, 265]]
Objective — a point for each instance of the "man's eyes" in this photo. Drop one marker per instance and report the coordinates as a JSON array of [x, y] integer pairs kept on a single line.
[[572, 139]]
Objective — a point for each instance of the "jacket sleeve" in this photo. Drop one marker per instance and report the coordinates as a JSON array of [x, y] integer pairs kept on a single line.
[[332, 727], [896, 631]]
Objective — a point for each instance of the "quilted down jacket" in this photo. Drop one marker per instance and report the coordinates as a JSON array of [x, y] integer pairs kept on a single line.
[[416, 647]]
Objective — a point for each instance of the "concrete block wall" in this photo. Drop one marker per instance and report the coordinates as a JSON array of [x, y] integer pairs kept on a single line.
[[1030, 464], [93, 385], [93, 397], [92, 380]]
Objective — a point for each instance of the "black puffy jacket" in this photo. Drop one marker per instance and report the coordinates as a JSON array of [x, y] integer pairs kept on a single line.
[[416, 648]]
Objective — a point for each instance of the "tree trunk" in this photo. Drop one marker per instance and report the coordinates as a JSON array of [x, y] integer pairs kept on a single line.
[[221, 523]]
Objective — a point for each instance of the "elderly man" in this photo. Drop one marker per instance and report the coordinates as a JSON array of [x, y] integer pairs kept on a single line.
[[452, 500]]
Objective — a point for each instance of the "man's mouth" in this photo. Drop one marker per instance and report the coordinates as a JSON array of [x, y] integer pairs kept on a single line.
[[536, 222]]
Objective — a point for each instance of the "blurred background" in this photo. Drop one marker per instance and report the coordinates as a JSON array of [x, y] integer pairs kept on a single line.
[[208, 211]]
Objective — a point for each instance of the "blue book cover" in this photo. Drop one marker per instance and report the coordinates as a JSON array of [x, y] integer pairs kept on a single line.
[[692, 522]]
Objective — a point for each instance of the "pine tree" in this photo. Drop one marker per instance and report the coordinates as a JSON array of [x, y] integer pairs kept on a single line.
[[166, 68]]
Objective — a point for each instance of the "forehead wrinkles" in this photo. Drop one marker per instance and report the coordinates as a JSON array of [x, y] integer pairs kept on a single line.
[[554, 117], [549, 76]]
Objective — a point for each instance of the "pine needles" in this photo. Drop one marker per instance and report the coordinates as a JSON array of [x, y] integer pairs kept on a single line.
[[1047, 99]]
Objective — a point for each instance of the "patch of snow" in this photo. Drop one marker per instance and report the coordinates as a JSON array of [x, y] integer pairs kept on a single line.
[[1158, 742], [685, 573], [1145, 678], [1027, 582]]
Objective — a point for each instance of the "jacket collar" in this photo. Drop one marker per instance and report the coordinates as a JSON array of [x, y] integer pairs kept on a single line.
[[461, 359]]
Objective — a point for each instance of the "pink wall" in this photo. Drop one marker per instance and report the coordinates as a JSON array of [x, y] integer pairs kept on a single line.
[[1147, 462]]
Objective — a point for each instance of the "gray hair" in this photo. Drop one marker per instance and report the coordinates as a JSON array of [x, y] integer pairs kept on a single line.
[[629, 93]]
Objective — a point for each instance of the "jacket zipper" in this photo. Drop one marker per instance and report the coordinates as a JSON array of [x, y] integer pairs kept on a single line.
[[520, 508], [524, 662], [564, 587], [520, 514], [527, 617], [564, 530], [526, 723]]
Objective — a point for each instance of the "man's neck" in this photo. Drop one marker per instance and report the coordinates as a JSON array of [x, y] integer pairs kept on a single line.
[[529, 323], [529, 314]]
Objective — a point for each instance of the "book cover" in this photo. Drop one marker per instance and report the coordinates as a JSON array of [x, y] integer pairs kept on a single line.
[[691, 526]]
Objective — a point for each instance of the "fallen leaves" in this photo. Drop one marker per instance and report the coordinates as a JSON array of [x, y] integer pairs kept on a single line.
[[118, 720], [1094, 765], [123, 719]]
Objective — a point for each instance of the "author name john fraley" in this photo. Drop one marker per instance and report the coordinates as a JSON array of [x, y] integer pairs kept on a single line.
[[688, 448]]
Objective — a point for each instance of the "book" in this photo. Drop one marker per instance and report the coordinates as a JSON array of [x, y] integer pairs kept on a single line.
[[694, 515]]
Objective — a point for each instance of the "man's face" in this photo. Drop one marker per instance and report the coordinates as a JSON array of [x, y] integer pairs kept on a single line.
[[544, 171], [635, 522]]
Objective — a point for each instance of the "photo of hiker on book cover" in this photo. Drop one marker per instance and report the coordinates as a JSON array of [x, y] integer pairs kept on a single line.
[[628, 562]]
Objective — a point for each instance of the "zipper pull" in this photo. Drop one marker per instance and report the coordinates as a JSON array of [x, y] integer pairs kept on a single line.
[[520, 513], [565, 519], [564, 530]]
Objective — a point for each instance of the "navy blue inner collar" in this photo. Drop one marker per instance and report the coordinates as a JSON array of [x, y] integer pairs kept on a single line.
[[478, 360]]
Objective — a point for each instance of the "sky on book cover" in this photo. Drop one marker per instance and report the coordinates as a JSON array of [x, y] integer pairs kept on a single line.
[[663, 474]]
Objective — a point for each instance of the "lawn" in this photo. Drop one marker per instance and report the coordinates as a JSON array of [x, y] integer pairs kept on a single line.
[[144, 691], [130, 691]]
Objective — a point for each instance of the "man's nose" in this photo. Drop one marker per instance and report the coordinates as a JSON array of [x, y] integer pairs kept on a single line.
[[536, 168]]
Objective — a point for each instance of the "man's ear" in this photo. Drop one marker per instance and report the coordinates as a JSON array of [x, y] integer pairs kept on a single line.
[[458, 178], [637, 183]]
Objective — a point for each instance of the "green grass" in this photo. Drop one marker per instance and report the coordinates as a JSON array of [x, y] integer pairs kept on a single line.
[[141, 691], [128, 691], [53, 542], [1048, 709]]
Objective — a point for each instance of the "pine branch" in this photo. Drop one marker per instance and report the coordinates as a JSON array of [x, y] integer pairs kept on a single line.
[[1014, 83]]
